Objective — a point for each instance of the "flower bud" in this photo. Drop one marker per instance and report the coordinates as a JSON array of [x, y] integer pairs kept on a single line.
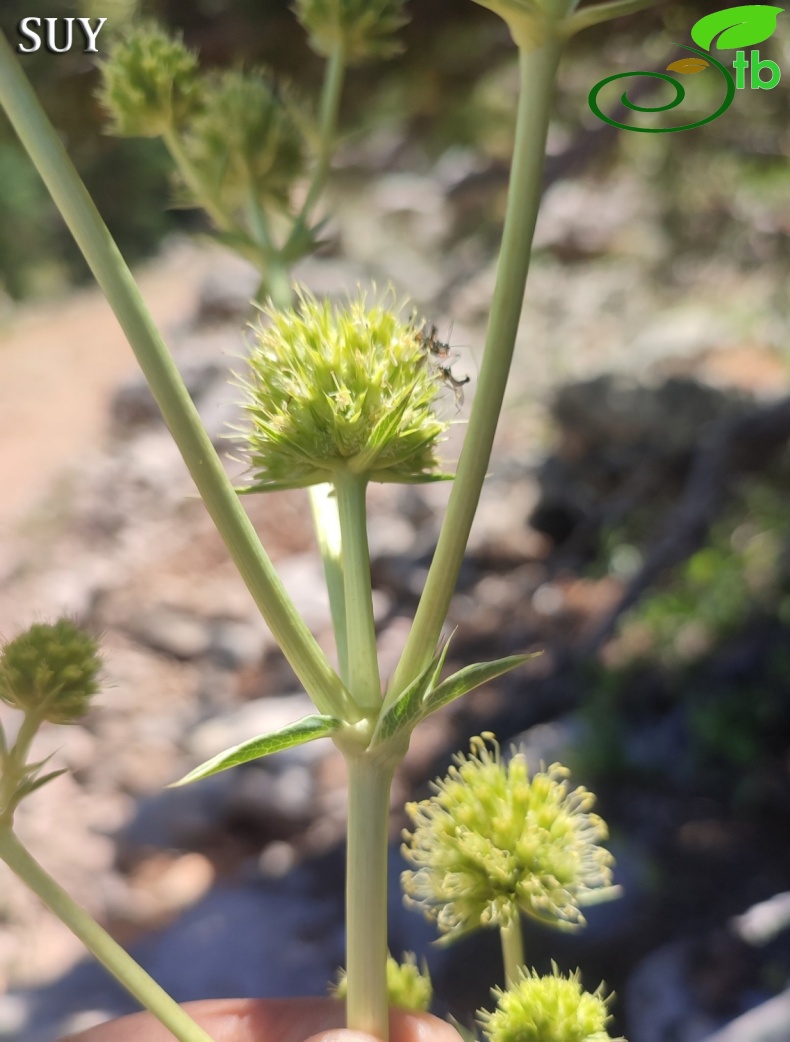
[[493, 842], [408, 985], [547, 1009], [149, 83], [340, 387], [243, 143], [50, 670], [362, 29]]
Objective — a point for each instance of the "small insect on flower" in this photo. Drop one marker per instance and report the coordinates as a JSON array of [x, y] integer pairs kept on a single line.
[[438, 351]]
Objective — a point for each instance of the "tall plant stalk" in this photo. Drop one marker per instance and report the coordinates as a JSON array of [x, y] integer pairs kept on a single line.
[[538, 70]]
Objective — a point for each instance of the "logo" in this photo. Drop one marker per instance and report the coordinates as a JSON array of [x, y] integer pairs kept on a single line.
[[733, 29]]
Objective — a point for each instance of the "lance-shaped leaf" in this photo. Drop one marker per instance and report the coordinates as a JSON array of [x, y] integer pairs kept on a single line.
[[35, 783], [409, 706], [736, 26], [470, 677], [305, 730]]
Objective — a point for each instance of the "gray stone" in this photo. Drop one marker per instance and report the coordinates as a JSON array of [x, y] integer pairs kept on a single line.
[[172, 631]]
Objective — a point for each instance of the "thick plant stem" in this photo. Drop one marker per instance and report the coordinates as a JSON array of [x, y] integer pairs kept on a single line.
[[512, 950], [98, 942], [363, 668], [538, 70], [366, 896], [219, 496]]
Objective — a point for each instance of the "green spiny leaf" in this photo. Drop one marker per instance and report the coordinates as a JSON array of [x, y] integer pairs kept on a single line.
[[305, 730], [35, 783], [407, 708], [470, 677]]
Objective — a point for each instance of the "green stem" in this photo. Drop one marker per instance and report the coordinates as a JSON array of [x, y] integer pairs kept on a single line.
[[538, 70], [194, 183], [327, 527], [78, 210], [366, 897], [12, 765], [512, 950], [98, 942], [329, 111], [363, 668]]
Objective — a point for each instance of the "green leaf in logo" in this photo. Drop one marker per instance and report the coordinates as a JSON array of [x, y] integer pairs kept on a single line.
[[736, 26]]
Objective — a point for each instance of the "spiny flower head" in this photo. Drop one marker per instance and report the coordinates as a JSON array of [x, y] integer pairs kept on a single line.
[[149, 83], [492, 841], [408, 985], [547, 1009], [243, 143], [362, 29], [340, 387], [50, 670]]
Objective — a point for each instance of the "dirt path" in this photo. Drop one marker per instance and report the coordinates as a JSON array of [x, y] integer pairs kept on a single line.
[[59, 362]]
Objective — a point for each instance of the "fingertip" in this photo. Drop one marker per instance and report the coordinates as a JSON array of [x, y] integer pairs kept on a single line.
[[342, 1035]]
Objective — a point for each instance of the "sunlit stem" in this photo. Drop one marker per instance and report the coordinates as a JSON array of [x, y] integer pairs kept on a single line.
[[363, 670], [538, 70], [366, 897], [512, 950], [98, 941], [327, 527]]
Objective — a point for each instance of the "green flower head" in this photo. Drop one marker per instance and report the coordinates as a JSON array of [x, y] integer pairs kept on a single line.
[[149, 83], [408, 985], [50, 670], [547, 1009], [492, 842], [340, 387], [360, 29], [531, 22], [243, 143]]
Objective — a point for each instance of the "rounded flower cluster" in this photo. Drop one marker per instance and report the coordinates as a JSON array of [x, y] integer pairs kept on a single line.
[[243, 143], [339, 387], [149, 83], [408, 985], [547, 1009], [362, 29], [50, 670], [493, 841]]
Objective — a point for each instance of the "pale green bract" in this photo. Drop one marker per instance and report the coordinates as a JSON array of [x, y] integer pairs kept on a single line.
[[339, 387], [552, 1008], [493, 842]]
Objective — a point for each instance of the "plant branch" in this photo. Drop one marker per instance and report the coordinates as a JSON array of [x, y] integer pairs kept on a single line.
[[330, 107], [109, 953], [538, 70], [219, 496]]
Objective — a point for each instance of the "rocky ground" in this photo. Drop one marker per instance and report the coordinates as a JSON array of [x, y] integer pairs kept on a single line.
[[233, 886]]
